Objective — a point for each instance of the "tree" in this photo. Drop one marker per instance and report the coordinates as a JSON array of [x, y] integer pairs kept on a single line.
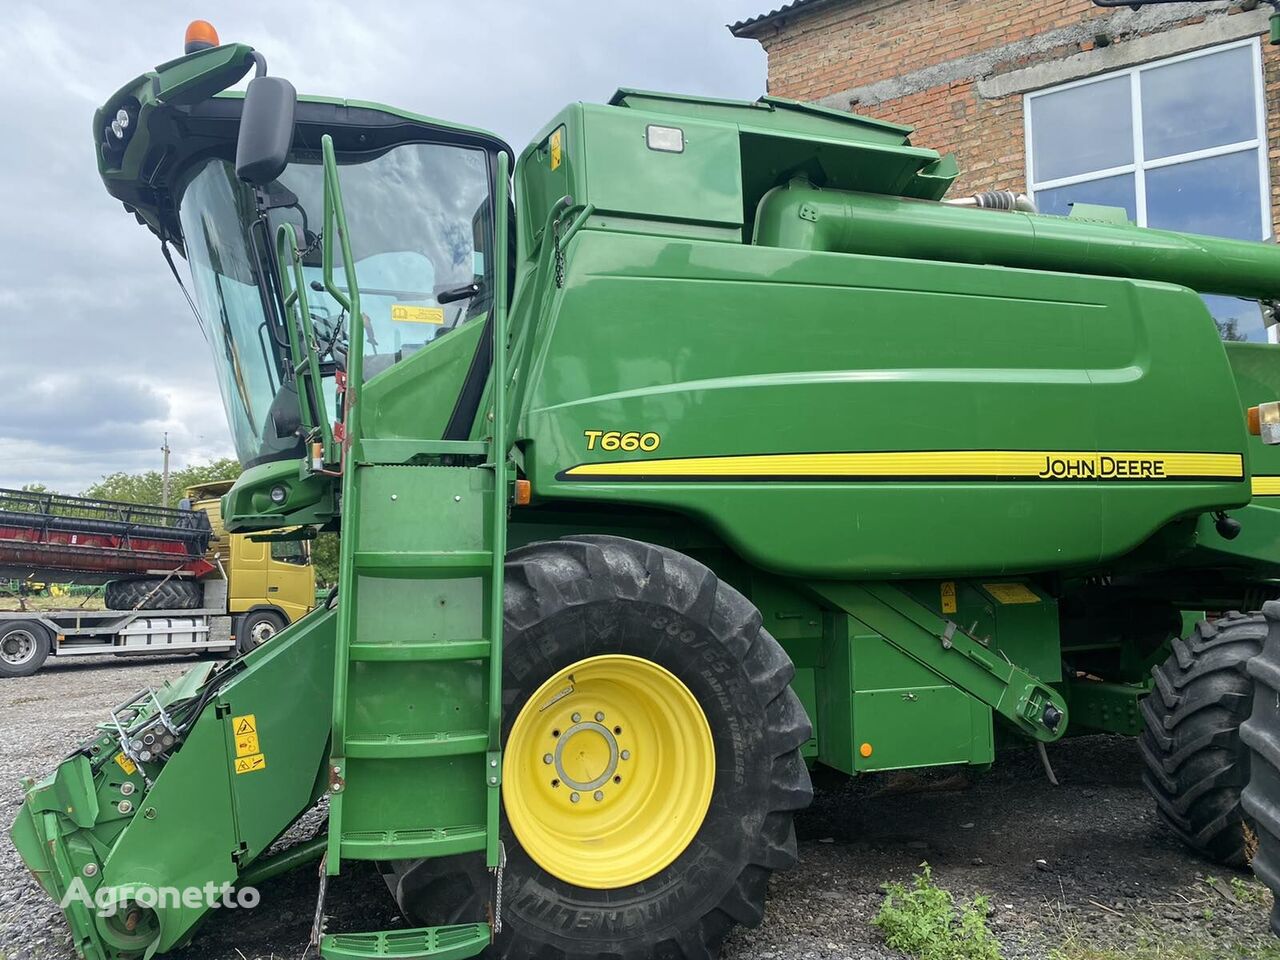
[[148, 487], [324, 557]]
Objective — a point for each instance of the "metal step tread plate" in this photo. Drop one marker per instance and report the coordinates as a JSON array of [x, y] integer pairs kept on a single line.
[[438, 943], [414, 844]]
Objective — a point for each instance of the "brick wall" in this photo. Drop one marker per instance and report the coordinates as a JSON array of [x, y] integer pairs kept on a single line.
[[820, 52]]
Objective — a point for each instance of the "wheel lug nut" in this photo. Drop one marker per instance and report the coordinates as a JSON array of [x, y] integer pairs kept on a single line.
[[626, 754], [576, 718], [574, 798], [599, 716], [599, 795], [548, 758]]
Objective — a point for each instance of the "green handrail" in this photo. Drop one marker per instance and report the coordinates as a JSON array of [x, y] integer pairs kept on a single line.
[[501, 499], [335, 231], [302, 348]]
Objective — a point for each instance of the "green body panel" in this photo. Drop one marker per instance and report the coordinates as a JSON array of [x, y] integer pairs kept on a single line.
[[724, 350], [415, 398], [1109, 707]]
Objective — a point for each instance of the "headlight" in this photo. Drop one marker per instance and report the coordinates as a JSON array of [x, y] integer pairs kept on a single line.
[[279, 494]]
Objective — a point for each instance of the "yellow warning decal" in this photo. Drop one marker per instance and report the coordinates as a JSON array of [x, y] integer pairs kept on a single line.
[[125, 764], [557, 147], [948, 596], [1011, 593], [404, 313], [1266, 486], [929, 465], [251, 764], [249, 756]]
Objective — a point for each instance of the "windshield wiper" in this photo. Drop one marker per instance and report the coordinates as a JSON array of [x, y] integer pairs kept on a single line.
[[458, 293]]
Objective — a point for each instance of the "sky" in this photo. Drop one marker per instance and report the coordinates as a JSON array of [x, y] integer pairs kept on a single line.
[[99, 354]]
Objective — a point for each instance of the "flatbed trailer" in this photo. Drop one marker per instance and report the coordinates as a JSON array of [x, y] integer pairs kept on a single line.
[[29, 637]]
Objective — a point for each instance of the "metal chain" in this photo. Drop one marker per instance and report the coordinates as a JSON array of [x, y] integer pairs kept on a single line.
[[559, 254], [497, 895]]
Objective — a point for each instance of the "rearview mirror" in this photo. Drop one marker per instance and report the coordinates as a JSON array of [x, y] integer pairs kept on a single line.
[[266, 130]]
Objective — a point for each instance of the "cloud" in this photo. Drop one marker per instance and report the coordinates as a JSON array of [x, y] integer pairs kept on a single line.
[[98, 351]]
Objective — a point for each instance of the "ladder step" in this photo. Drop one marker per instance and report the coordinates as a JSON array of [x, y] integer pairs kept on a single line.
[[396, 746], [413, 844], [439, 943], [424, 563], [448, 650]]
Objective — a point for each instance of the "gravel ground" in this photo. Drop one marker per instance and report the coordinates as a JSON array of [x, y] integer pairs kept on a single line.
[[1070, 868]]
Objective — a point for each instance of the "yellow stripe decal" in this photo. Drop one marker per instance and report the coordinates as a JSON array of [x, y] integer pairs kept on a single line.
[[1266, 486], [929, 464]]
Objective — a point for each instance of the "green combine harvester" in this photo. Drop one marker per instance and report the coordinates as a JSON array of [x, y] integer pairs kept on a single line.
[[702, 443]]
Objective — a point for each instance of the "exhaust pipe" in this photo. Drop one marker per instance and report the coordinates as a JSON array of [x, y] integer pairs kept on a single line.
[[996, 200]]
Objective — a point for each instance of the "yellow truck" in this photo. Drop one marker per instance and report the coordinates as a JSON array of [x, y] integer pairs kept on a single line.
[[270, 583]]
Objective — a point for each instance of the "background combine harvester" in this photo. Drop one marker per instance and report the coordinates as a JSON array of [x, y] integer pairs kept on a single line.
[[731, 449], [173, 580]]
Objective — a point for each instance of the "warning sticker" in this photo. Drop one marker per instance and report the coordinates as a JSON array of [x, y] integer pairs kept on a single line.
[[125, 764], [557, 147], [948, 596], [1011, 593], [403, 313], [250, 764], [249, 755]]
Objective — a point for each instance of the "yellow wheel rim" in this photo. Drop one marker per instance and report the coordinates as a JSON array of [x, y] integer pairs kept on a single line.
[[608, 772]]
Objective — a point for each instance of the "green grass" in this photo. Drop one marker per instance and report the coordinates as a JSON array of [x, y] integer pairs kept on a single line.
[[924, 922]]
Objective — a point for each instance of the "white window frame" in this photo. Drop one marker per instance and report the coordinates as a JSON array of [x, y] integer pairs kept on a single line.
[[1140, 164]]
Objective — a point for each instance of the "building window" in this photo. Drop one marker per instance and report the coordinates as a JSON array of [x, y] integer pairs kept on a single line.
[[1180, 144]]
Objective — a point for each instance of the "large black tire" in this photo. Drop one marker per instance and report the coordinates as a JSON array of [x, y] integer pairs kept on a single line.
[[1261, 733], [1196, 763], [24, 646], [588, 595], [169, 595]]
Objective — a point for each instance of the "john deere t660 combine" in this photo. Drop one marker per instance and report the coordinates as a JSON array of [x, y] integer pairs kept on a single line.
[[723, 448]]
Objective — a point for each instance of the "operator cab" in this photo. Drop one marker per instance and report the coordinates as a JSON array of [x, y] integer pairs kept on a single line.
[[418, 195]]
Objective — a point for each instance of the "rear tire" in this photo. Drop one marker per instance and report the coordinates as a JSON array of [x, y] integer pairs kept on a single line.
[[1196, 763], [589, 596], [168, 595], [1261, 732], [24, 647]]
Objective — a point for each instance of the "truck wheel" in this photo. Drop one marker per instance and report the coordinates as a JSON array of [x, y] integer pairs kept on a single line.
[[652, 762], [1196, 763], [24, 646], [169, 595], [255, 628]]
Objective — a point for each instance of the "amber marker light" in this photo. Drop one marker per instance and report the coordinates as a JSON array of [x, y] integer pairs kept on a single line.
[[1264, 422], [524, 493], [200, 36]]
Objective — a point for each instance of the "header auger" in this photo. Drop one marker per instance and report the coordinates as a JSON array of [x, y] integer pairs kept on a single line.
[[695, 446]]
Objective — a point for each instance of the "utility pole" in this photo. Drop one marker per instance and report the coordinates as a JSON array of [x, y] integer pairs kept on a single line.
[[164, 488]]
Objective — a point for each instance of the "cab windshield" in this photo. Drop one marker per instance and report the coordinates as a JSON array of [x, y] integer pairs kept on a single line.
[[418, 217]]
